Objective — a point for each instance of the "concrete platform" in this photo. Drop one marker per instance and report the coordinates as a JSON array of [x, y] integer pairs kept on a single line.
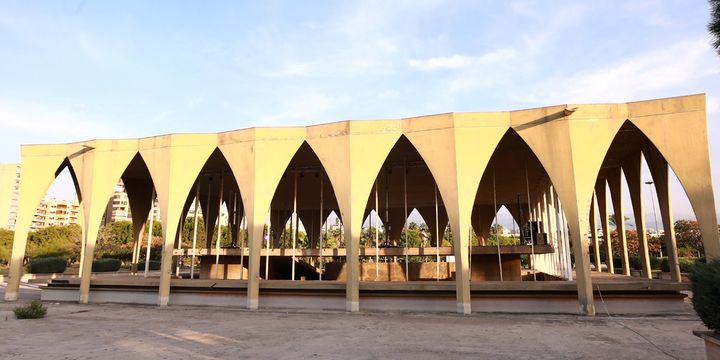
[[613, 294]]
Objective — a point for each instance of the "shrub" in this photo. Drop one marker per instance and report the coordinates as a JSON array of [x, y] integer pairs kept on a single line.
[[635, 263], [704, 280], [106, 265], [664, 264], [47, 265], [154, 265], [687, 264], [655, 263], [34, 310], [120, 254]]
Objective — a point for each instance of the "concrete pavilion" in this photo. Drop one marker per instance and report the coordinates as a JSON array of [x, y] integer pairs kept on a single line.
[[550, 167]]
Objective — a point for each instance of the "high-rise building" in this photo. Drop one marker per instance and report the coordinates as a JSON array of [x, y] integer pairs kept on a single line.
[[53, 212], [9, 186], [118, 207]]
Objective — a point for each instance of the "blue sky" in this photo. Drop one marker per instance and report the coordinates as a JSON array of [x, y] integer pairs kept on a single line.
[[75, 70]]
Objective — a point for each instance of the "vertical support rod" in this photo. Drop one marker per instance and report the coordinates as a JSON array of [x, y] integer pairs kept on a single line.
[[376, 217], [322, 222], [497, 235], [405, 225], [267, 242], [242, 245], [150, 228], [294, 225], [195, 230], [219, 228], [530, 225], [180, 240], [437, 237]]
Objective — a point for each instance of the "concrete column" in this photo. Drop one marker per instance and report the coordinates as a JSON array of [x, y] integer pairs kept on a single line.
[[139, 192], [352, 232], [602, 203], [38, 172], [174, 161], [577, 224], [632, 168], [566, 239], [552, 223], [256, 228], [614, 179], [660, 171], [593, 231]]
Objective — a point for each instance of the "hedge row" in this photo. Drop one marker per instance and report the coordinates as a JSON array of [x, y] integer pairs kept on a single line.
[[106, 265], [659, 263], [154, 265], [47, 265]]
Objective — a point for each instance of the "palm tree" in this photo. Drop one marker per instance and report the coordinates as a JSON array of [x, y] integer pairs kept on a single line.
[[714, 25]]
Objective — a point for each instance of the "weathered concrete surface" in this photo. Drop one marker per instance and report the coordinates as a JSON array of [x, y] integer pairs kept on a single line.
[[140, 332]]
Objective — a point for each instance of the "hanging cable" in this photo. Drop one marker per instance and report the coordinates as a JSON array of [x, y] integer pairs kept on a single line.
[[322, 222], [386, 222], [437, 236], [405, 225], [530, 224], [195, 225], [294, 225], [219, 228], [497, 235], [376, 217], [150, 229], [267, 242]]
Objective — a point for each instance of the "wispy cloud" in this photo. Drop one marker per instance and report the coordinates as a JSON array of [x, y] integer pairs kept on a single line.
[[640, 76], [461, 61], [39, 119]]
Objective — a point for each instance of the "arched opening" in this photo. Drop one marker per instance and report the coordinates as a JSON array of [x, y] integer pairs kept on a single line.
[[643, 236], [56, 231], [212, 240], [518, 221], [126, 224], [407, 250], [305, 240]]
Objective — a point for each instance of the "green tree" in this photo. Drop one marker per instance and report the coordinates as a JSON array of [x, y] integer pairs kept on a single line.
[[714, 25], [613, 222], [689, 238], [6, 241], [115, 240], [62, 241], [633, 243]]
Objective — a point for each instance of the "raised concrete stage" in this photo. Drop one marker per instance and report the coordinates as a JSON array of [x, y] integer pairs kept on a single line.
[[484, 263], [620, 295]]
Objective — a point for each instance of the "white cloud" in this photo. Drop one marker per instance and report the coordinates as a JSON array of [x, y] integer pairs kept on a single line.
[[640, 76], [713, 104], [32, 120], [460, 61]]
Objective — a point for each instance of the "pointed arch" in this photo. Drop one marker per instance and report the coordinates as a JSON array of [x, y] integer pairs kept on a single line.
[[39, 170], [139, 188], [624, 156], [303, 189], [404, 183], [665, 124], [512, 171]]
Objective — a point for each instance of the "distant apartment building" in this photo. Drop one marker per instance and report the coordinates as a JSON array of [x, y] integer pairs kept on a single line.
[[9, 186], [55, 212], [118, 207]]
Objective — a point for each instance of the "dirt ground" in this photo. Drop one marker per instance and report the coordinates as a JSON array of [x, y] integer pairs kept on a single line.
[[113, 331]]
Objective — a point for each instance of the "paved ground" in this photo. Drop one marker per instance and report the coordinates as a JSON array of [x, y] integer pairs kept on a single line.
[[112, 331]]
